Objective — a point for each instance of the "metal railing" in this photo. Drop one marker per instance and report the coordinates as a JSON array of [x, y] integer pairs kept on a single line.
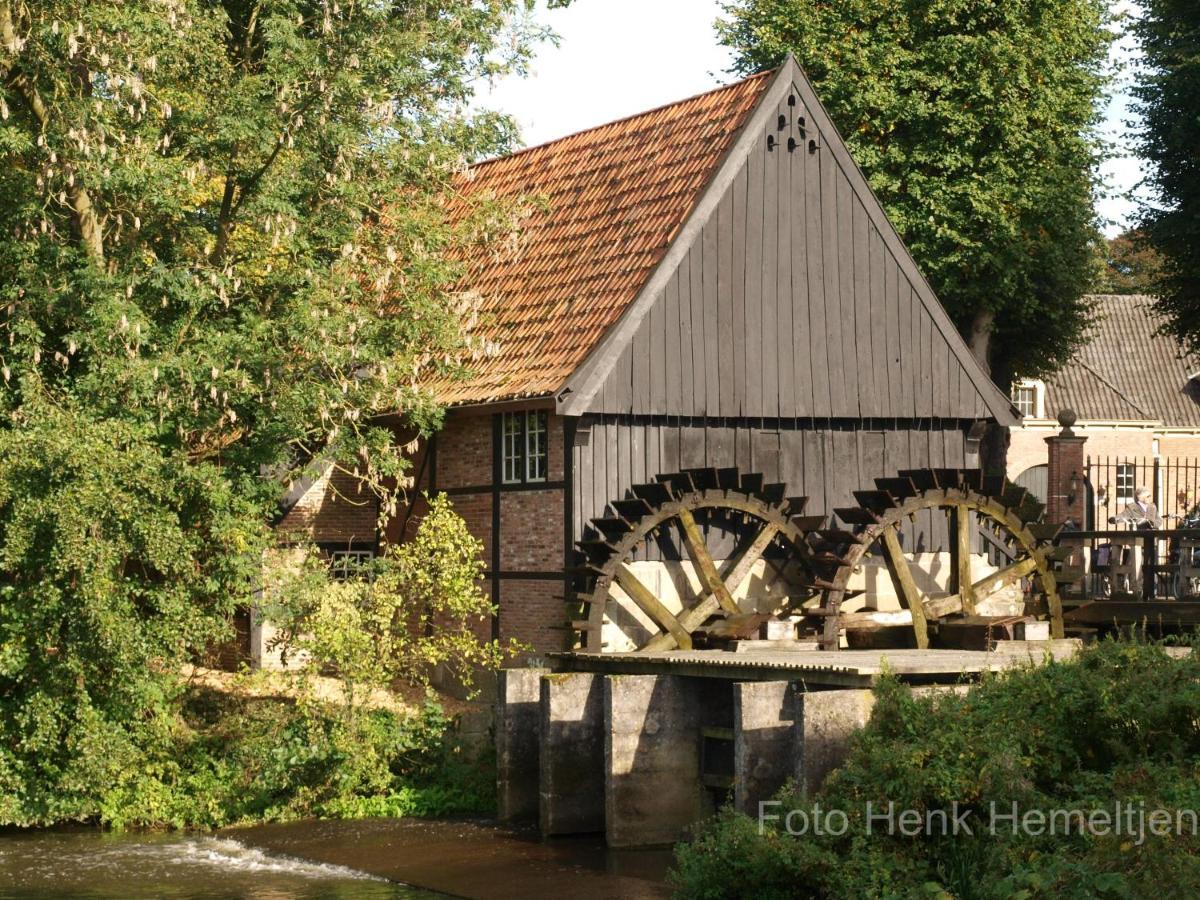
[[1128, 563], [1174, 484]]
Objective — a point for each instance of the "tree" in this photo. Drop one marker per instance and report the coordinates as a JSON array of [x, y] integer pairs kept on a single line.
[[1131, 266], [223, 247], [975, 125], [1168, 94]]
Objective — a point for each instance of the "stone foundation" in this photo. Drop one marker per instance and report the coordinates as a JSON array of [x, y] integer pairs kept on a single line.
[[636, 756]]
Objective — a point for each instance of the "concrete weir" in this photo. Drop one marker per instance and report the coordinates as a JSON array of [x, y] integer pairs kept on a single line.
[[642, 755]]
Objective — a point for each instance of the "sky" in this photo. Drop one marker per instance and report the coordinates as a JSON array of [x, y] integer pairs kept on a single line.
[[619, 57]]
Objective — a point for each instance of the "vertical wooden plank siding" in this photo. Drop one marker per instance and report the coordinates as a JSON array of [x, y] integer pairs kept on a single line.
[[687, 378], [712, 345], [753, 399], [672, 361], [862, 311], [816, 348], [700, 367], [796, 371], [789, 303], [831, 296], [725, 359], [845, 310], [737, 373], [770, 285]]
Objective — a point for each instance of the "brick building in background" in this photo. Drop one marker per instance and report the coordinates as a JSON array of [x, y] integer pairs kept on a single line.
[[708, 284], [1136, 398]]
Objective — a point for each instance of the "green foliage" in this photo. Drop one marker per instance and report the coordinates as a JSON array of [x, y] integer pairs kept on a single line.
[[233, 760], [1168, 93], [1119, 723], [223, 248], [418, 608], [1131, 266], [975, 125]]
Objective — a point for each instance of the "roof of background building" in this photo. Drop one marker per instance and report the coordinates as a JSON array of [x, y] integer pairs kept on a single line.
[[609, 202], [1126, 371]]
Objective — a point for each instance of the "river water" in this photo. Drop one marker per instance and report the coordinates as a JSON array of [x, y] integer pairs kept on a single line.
[[372, 859]]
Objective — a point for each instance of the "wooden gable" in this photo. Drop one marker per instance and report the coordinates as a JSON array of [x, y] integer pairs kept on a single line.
[[787, 294]]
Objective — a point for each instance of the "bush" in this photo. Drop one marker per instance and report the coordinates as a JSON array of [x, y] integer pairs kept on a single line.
[[234, 759], [108, 733], [1121, 722]]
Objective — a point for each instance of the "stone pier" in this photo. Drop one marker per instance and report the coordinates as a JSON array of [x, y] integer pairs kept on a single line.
[[571, 755], [824, 724], [652, 789], [643, 757], [764, 741], [517, 739]]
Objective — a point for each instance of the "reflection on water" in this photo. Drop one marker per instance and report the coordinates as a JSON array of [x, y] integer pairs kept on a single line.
[[95, 865]]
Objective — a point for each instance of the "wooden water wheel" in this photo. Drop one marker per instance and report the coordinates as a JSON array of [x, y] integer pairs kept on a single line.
[[685, 510], [976, 510]]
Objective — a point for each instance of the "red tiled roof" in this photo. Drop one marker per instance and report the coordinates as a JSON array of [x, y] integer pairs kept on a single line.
[[611, 199]]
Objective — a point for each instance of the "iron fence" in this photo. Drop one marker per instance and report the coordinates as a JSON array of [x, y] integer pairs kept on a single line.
[[1174, 484]]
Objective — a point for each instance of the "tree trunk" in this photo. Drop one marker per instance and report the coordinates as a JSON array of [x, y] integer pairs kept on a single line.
[[980, 337]]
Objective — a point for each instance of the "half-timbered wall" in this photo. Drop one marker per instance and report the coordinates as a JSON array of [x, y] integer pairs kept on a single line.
[[796, 299]]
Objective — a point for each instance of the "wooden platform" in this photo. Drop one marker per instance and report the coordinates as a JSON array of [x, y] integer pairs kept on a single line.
[[1169, 613], [820, 669]]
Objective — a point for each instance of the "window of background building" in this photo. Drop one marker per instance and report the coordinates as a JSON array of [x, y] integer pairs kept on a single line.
[[1025, 397], [345, 564], [1126, 482]]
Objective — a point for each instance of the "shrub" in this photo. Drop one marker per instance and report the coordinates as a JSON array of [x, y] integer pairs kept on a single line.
[[1121, 722]]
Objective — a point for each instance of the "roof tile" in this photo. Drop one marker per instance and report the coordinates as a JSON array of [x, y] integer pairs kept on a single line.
[[614, 198], [1127, 371]]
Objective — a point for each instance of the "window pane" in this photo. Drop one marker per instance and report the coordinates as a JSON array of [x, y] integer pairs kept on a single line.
[[1126, 481], [536, 445], [1024, 398], [512, 447], [346, 564]]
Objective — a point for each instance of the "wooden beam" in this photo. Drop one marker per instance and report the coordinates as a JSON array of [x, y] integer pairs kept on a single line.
[[1004, 577], [906, 588], [697, 550], [940, 607], [653, 607], [696, 614], [960, 558], [752, 555]]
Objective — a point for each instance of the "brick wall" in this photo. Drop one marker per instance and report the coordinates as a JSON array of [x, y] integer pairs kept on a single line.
[[1028, 445], [335, 509], [530, 538], [464, 451], [1179, 446], [533, 613], [531, 531]]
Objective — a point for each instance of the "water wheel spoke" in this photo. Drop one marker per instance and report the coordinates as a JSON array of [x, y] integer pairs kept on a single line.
[[735, 573], [753, 554], [652, 606], [1004, 577], [960, 557], [906, 587], [697, 551]]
